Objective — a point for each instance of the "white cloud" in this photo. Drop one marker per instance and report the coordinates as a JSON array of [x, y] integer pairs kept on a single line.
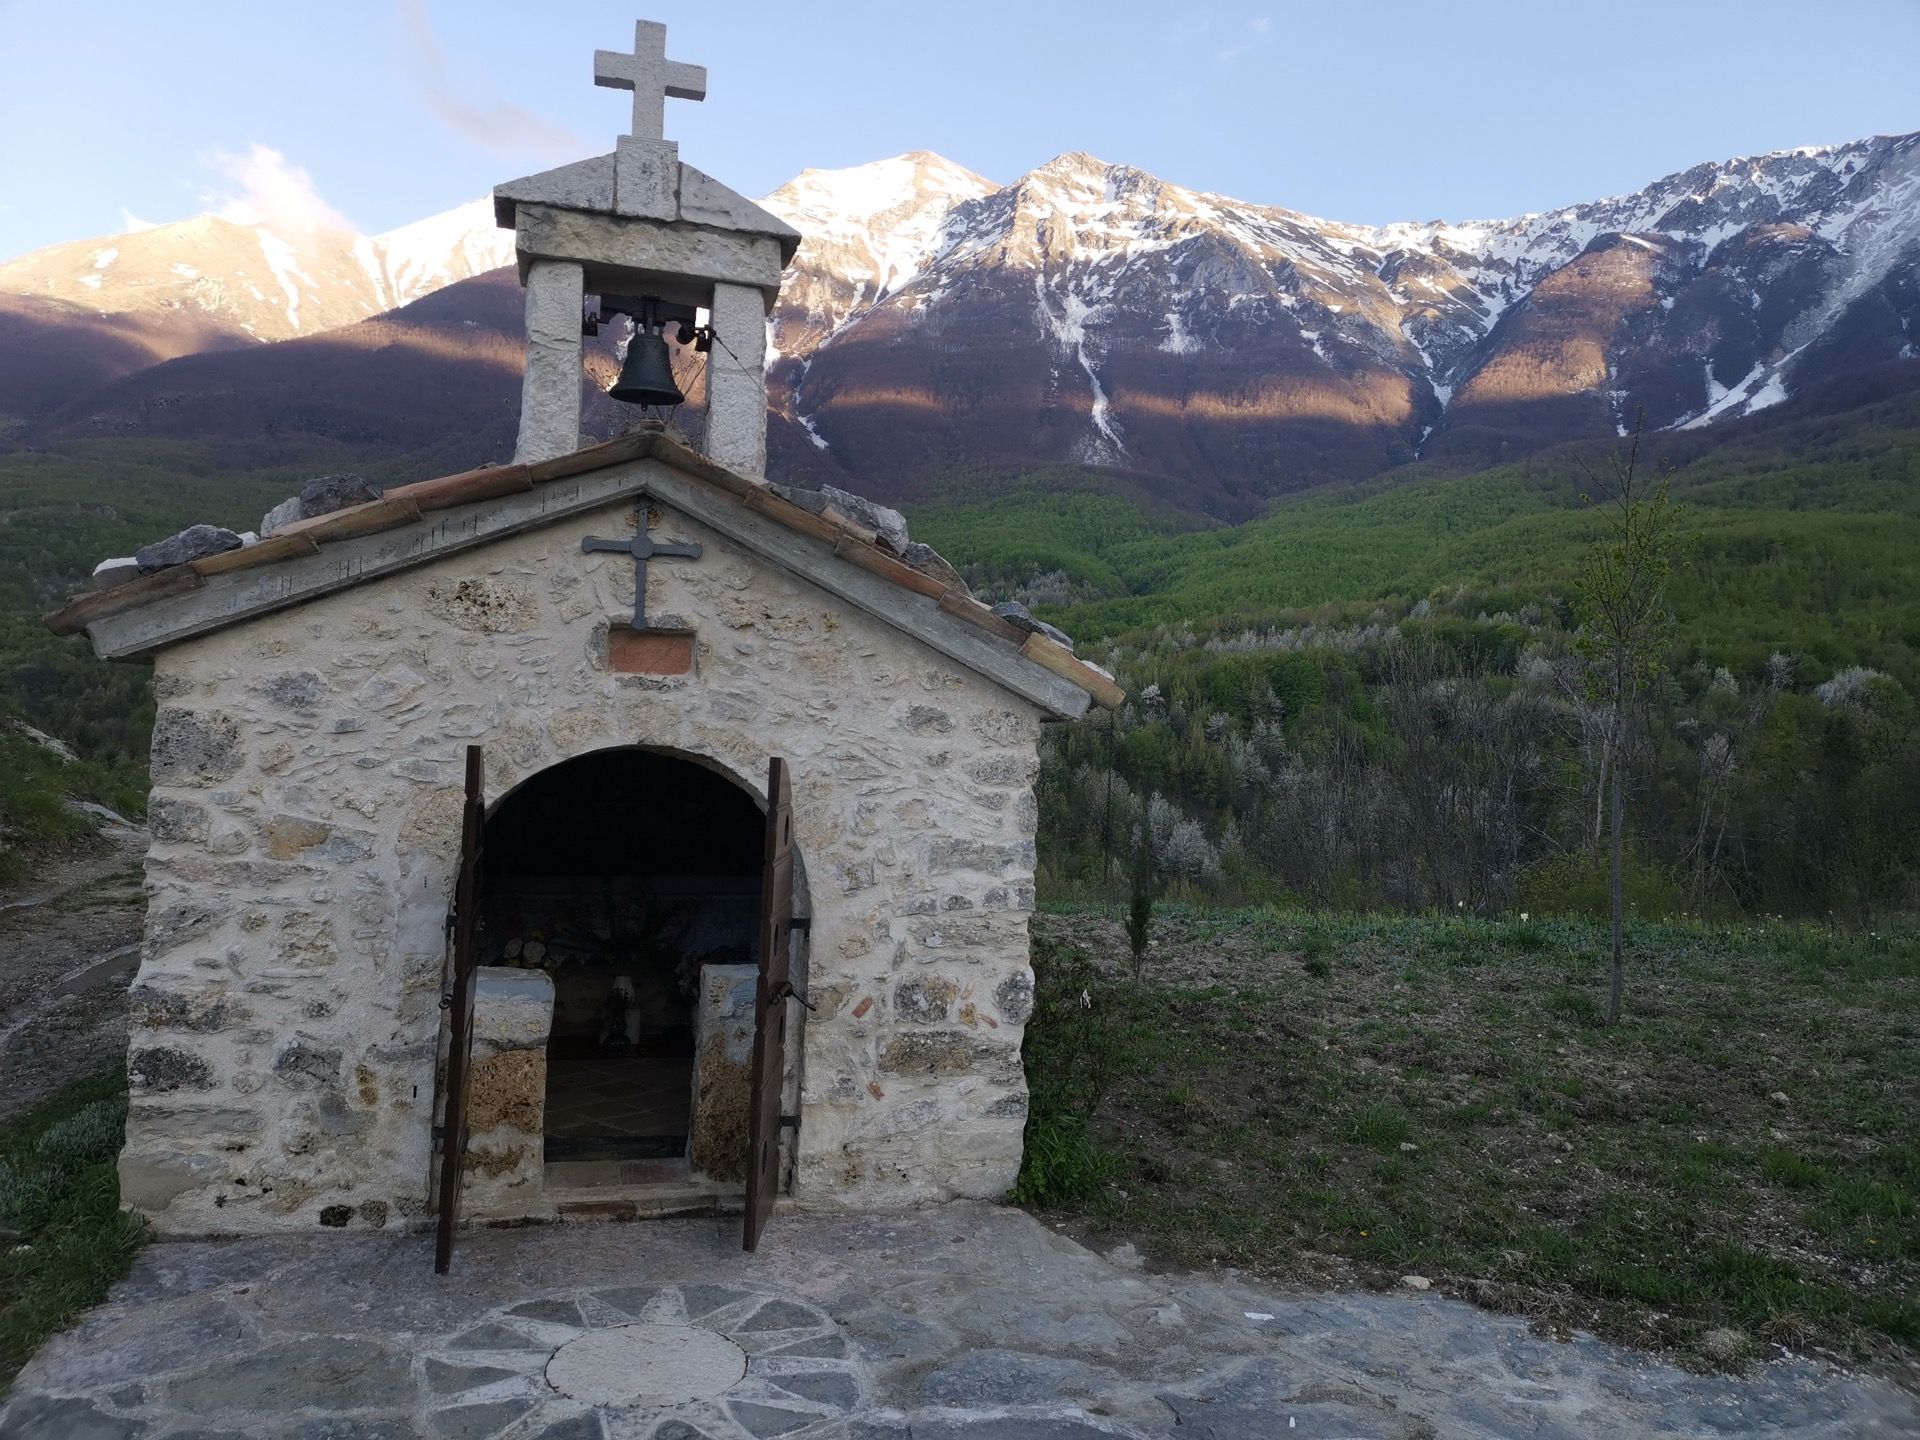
[[510, 131], [132, 224], [271, 190], [1256, 35]]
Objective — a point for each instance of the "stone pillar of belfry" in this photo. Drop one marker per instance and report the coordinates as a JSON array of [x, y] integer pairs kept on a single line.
[[550, 393], [737, 380]]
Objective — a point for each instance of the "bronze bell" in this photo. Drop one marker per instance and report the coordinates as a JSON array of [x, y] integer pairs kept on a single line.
[[646, 375]]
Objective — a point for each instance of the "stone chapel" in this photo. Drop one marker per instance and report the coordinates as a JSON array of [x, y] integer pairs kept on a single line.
[[607, 832]]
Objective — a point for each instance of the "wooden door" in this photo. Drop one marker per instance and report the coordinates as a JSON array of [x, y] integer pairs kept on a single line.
[[464, 924], [770, 1006]]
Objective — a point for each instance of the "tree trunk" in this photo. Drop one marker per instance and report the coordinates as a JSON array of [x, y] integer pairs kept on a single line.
[[1600, 787], [1616, 883], [1106, 829]]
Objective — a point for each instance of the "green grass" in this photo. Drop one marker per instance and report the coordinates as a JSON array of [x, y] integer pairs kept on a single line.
[[34, 786], [1743, 1151], [60, 1201]]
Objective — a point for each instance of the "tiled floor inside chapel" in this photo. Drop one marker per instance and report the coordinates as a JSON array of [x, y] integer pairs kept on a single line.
[[617, 1121]]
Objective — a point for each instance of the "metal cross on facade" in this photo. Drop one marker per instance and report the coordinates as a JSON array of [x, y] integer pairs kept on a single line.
[[640, 545], [650, 76]]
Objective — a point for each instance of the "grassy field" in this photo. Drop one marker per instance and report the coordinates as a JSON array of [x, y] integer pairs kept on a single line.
[[1351, 1100], [63, 1238]]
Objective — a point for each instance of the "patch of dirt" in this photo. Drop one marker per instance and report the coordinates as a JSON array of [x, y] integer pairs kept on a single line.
[[69, 946]]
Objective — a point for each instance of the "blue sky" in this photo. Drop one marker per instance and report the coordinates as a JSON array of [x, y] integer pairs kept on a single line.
[[383, 111]]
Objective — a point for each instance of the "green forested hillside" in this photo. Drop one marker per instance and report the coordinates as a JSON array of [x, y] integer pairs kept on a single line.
[[1805, 537], [1376, 697], [1368, 695]]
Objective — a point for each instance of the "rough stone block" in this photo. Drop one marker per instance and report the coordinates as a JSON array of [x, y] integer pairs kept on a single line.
[[512, 1009], [189, 544], [941, 1053], [204, 1009], [117, 571], [327, 493], [171, 819], [193, 747], [1017, 615], [929, 561], [1014, 996], [646, 178], [550, 389], [736, 381], [151, 1179], [280, 516], [723, 1053], [287, 836], [307, 1067], [160, 1069], [508, 1089], [924, 998]]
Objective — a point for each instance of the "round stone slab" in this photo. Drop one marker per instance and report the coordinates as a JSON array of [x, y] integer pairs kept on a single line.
[[646, 1365]]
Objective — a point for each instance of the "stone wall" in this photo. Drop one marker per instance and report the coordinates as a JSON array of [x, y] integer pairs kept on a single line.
[[722, 1071], [306, 812], [505, 1172]]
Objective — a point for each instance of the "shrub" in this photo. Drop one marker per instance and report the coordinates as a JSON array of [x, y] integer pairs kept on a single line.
[[1071, 1047], [1575, 883]]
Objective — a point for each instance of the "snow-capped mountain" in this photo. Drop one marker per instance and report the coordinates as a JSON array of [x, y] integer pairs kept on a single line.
[[1097, 313], [254, 281], [934, 322]]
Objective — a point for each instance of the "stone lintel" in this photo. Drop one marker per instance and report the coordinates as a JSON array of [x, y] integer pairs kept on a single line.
[[594, 187], [630, 255]]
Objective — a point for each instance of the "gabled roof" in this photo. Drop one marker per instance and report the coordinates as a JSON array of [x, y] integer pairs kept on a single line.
[[415, 524]]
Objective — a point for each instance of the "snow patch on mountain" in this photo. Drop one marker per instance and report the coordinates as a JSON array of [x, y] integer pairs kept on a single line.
[[1118, 256], [260, 279]]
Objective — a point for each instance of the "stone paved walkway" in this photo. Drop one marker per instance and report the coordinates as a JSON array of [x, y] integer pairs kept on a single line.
[[964, 1323]]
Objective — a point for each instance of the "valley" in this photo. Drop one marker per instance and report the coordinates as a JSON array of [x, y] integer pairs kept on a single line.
[[1209, 439]]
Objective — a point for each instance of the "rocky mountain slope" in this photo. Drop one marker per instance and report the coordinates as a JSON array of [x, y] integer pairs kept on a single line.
[[103, 308], [935, 324], [1096, 313]]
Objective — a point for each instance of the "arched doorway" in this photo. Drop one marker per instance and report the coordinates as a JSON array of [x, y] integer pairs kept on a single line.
[[632, 878]]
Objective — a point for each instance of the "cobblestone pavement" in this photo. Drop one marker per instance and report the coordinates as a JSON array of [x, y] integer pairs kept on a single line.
[[963, 1323]]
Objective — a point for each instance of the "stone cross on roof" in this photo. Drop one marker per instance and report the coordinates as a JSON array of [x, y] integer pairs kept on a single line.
[[650, 76]]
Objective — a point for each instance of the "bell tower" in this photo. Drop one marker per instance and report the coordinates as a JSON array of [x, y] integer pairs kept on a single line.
[[639, 232]]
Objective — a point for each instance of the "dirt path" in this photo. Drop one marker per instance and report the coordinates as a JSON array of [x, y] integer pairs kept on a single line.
[[69, 944]]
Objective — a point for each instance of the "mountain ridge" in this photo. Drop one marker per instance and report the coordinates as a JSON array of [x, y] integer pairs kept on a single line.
[[1096, 314]]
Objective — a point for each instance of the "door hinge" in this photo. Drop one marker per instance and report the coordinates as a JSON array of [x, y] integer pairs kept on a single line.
[[801, 925], [789, 1122], [784, 991]]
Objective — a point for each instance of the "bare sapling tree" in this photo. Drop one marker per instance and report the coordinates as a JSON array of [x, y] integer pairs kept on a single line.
[[1624, 623], [1140, 898]]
